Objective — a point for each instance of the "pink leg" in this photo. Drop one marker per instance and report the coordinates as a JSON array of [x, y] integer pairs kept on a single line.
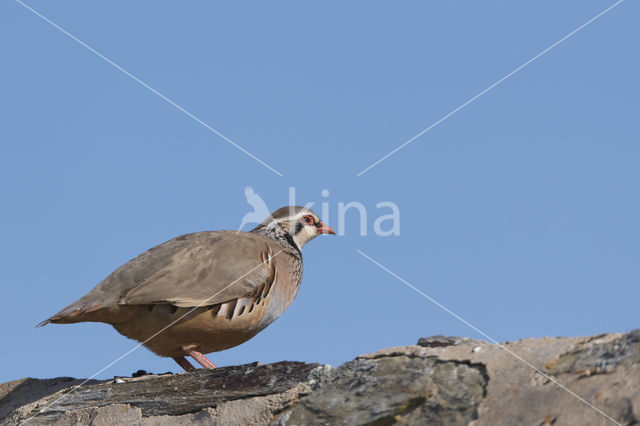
[[182, 361], [201, 359]]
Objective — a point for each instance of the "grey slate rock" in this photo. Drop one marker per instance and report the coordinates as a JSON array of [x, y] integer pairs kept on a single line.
[[442, 381], [391, 389], [438, 341], [593, 358]]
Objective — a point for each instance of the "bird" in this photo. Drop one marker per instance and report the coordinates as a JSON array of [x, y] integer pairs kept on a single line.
[[206, 291], [260, 209]]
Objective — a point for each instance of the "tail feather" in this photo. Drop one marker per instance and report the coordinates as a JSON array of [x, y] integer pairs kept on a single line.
[[70, 314], [43, 323], [59, 318]]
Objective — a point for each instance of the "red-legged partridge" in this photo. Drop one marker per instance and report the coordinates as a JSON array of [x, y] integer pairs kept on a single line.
[[203, 292]]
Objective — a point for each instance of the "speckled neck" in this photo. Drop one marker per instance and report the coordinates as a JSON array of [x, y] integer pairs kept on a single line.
[[275, 232]]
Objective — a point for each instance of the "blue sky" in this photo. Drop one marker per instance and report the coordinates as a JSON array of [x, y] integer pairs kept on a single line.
[[519, 212]]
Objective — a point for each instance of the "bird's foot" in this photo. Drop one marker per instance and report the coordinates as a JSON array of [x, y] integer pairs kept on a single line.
[[182, 361], [201, 359]]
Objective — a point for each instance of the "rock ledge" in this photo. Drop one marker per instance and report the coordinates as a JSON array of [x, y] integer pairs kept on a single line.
[[440, 381]]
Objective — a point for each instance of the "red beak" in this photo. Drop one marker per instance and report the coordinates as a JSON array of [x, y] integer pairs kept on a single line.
[[325, 229]]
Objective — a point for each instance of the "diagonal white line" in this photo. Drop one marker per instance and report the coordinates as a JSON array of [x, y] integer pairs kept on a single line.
[[145, 85], [142, 343], [518, 357], [490, 87]]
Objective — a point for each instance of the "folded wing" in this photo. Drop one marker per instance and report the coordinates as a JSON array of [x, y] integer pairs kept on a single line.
[[212, 268]]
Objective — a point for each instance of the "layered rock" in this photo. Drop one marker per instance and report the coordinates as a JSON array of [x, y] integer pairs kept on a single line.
[[440, 381]]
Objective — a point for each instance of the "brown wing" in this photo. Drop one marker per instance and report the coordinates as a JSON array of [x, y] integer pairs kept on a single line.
[[190, 270], [224, 266]]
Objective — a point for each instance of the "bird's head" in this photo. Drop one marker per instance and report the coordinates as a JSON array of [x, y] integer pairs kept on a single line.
[[300, 223]]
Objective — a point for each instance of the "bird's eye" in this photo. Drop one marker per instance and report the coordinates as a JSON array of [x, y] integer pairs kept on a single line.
[[307, 219]]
